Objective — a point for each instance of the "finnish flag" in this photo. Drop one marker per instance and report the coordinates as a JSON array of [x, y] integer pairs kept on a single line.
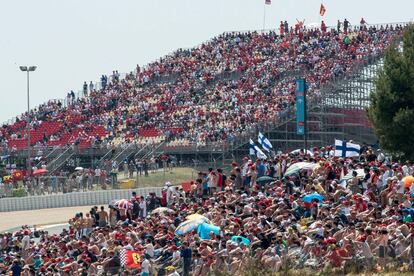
[[264, 142], [346, 149], [256, 151]]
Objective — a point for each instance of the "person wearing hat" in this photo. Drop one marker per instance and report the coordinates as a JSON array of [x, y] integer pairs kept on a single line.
[[171, 271], [26, 271]]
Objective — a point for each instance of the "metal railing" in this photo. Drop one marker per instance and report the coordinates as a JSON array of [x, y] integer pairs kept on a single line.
[[141, 152], [124, 153], [60, 160]]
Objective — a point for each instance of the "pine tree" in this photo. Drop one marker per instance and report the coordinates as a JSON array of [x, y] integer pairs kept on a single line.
[[392, 102]]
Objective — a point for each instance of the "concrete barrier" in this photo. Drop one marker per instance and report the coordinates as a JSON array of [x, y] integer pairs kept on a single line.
[[70, 199]]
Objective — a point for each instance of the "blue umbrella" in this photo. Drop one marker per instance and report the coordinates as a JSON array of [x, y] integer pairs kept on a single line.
[[204, 230], [243, 240], [309, 198]]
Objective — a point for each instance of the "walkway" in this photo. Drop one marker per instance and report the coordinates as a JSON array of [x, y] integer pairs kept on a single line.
[[10, 220]]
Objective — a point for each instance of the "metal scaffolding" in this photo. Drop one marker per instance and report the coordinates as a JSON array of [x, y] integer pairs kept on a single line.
[[337, 111]]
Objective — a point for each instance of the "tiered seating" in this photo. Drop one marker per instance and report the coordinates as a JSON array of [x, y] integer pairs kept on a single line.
[[19, 144], [149, 132], [201, 104]]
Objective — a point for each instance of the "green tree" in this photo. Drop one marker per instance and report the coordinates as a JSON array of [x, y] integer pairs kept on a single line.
[[392, 102]]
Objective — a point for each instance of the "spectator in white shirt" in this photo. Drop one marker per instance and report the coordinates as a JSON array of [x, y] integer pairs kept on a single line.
[[145, 267]]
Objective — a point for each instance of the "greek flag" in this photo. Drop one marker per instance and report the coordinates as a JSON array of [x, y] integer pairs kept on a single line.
[[256, 151], [264, 142], [346, 149]]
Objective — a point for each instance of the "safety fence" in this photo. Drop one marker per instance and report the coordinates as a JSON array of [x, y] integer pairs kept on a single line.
[[71, 199]]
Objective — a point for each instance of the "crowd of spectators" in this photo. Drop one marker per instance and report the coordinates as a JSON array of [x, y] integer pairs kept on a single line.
[[364, 223], [210, 93], [74, 178]]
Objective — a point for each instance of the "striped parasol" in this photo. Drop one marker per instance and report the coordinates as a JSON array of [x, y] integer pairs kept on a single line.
[[196, 217], [188, 226], [123, 204]]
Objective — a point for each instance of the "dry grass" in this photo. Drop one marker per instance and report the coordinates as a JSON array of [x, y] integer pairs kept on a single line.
[[176, 176]]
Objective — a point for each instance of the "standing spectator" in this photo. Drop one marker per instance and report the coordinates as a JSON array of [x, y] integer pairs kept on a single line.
[[54, 183], [170, 193], [90, 176], [286, 27], [16, 268], [103, 82], [98, 176], [338, 26], [145, 167], [125, 168], [142, 207], [84, 180], [346, 26], [323, 27], [138, 164], [85, 89], [103, 217], [220, 179], [89, 224], [211, 182], [131, 167], [186, 254], [238, 181], [146, 266], [135, 208]]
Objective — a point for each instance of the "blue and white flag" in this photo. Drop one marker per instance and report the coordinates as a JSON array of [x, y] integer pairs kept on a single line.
[[256, 151], [346, 149], [264, 142]]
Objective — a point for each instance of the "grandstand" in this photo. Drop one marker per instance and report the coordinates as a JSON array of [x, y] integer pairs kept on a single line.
[[206, 102]]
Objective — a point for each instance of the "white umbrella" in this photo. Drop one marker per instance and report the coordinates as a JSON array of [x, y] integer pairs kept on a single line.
[[162, 210], [78, 169], [360, 174], [197, 216], [297, 151], [294, 168]]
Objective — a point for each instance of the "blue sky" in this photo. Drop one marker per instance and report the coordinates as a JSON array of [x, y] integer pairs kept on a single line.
[[75, 40]]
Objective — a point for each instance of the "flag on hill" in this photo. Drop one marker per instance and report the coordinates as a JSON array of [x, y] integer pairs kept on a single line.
[[322, 10], [268, 2], [264, 142], [256, 151], [346, 149]]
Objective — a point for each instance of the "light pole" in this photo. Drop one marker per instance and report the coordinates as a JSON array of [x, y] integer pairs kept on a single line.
[[28, 69]]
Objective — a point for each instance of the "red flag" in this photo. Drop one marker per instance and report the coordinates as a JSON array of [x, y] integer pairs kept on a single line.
[[131, 259], [268, 2], [322, 10], [17, 175]]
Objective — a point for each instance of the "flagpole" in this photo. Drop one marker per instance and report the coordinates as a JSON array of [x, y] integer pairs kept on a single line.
[[306, 118], [264, 17]]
